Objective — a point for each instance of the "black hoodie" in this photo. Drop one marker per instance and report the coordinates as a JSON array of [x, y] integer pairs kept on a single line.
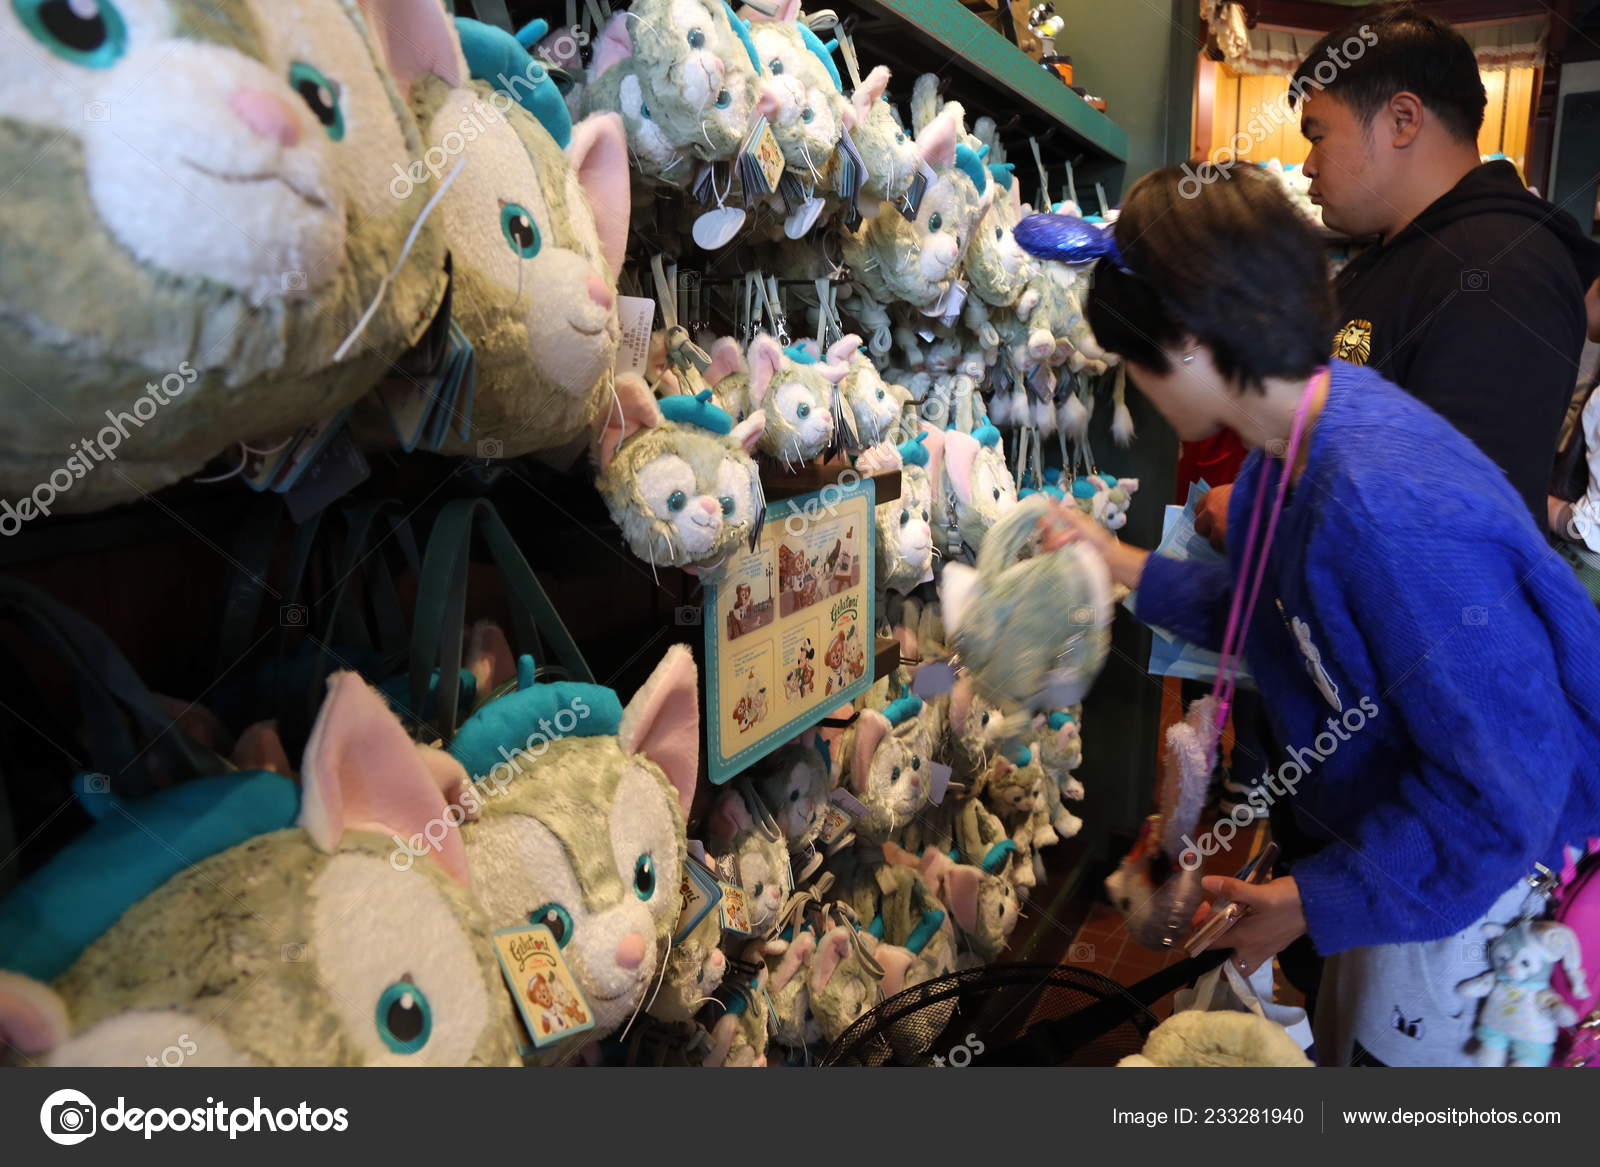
[[1476, 308]]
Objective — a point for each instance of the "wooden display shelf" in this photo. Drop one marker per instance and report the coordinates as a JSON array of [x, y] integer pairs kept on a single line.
[[779, 484]]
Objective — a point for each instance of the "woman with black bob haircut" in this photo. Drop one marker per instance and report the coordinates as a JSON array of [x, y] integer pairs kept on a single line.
[[1432, 669]]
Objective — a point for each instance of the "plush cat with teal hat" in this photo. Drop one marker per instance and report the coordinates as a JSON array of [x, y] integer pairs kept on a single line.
[[812, 110], [905, 533], [885, 760], [794, 387], [678, 478], [977, 492], [333, 923]]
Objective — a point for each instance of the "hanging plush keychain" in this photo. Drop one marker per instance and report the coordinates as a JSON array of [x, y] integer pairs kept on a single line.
[[223, 257], [793, 386], [684, 76]]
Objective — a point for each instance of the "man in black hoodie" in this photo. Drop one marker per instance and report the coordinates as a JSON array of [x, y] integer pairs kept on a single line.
[[1472, 297]]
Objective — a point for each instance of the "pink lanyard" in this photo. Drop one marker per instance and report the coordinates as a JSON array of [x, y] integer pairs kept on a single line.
[[1239, 623]]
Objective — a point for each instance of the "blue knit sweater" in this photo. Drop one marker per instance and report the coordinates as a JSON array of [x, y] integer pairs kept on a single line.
[[1452, 736]]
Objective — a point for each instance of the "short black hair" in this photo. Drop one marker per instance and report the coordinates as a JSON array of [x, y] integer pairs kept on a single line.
[[1399, 48], [1229, 261]]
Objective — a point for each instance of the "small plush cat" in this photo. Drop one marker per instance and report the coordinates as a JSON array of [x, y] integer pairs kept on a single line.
[[201, 208], [905, 537], [684, 77], [812, 111], [793, 783], [695, 968], [1105, 499], [677, 477], [298, 929], [996, 266], [752, 858], [887, 150], [791, 386], [978, 489], [885, 760], [874, 404], [581, 827]]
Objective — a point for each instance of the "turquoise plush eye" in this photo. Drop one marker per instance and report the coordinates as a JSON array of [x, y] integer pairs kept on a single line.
[[644, 111], [520, 231], [644, 877], [775, 66], [320, 95], [697, 39], [802, 411], [905, 517], [676, 501], [935, 221], [808, 114], [727, 505], [86, 32], [556, 918], [724, 99], [899, 138], [404, 1017]]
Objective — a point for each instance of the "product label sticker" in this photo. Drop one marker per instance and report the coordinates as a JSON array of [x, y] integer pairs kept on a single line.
[[849, 804], [835, 825], [548, 1000], [637, 315], [759, 162], [698, 893], [735, 910], [938, 782]]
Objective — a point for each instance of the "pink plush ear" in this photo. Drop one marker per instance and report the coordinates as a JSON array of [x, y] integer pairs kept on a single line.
[[960, 704], [1131, 485], [871, 728], [599, 154], [899, 856], [794, 959], [841, 350], [260, 748], [960, 453], [614, 47], [895, 963], [870, 91], [489, 656], [635, 409], [961, 883], [662, 722], [937, 142], [765, 360], [33, 1018], [831, 949], [361, 772], [730, 818], [849, 116], [748, 432], [834, 371], [935, 446], [418, 39], [722, 1035], [450, 775], [726, 360]]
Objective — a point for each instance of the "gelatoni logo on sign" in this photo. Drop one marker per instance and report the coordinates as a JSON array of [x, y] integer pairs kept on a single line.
[[847, 606], [68, 1117]]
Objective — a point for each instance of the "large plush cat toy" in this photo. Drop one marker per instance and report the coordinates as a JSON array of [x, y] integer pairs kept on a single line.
[[264, 923], [677, 477], [203, 233], [792, 386], [685, 78], [537, 235], [580, 826]]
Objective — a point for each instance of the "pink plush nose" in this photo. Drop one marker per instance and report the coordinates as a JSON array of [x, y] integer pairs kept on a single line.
[[630, 950], [600, 293], [710, 506], [267, 115]]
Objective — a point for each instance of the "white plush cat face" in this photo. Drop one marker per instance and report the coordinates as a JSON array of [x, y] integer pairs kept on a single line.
[[699, 499], [943, 225], [890, 154], [797, 795], [235, 159], [994, 492], [602, 878], [645, 136], [417, 998], [872, 403], [908, 526], [807, 123], [897, 783], [537, 245]]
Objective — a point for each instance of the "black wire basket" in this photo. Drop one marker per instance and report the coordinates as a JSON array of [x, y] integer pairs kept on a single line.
[[1013, 1015]]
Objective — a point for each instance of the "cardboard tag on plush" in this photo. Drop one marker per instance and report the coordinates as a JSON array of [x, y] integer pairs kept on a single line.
[[932, 679], [339, 469], [938, 782], [835, 825], [698, 893], [735, 910], [759, 162], [548, 1000], [637, 316], [849, 803], [717, 228]]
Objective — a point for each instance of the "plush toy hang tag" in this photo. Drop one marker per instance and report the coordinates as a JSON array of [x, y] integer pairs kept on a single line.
[[802, 218], [911, 202], [698, 894], [759, 162], [849, 803], [636, 315], [933, 679], [938, 782], [717, 228], [735, 909], [548, 999], [339, 469]]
